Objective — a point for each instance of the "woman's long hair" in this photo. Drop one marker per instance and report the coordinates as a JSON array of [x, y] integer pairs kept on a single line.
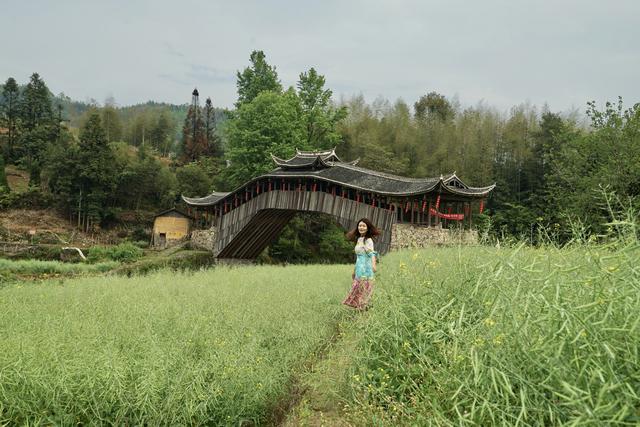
[[372, 230]]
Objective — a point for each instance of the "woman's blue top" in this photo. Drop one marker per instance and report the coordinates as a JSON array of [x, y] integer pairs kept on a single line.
[[364, 258]]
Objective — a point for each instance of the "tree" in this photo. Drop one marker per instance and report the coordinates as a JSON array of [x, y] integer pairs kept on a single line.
[[193, 180], [139, 129], [606, 158], [319, 115], [434, 106], [62, 169], [138, 182], [257, 78], [210, 130], [546, 144], [194, 143], [11, 97], [33, 144], [4, 184], [269, 124], [36, 106], [159, 134], [96, 171], [111, 123]]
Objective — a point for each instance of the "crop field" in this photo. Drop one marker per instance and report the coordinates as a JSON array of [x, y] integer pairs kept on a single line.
[[515, 336], [455, 336], [210, 347]]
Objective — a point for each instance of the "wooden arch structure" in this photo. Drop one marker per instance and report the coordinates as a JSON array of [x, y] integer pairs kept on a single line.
[[249, 218]]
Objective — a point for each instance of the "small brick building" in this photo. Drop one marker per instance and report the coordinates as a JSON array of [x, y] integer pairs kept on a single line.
[[170, 227]]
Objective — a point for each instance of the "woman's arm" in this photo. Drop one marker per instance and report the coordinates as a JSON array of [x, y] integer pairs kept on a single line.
[[369, 247]]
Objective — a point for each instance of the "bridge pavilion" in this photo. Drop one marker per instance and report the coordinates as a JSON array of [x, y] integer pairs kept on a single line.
[[247, 219]]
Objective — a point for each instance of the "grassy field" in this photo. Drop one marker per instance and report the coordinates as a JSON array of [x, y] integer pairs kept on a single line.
[[515, 336], [211, 347], [456, 336]]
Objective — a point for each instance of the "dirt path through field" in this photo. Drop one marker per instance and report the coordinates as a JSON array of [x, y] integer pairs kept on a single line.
[[314, 399]]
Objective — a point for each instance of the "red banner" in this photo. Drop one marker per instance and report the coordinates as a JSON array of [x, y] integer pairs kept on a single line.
[[452, 217]]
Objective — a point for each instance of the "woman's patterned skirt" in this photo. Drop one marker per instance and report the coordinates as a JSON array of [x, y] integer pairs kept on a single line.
[[360, 293]]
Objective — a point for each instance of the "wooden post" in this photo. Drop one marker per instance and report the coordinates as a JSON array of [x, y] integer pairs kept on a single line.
[[412, 209]]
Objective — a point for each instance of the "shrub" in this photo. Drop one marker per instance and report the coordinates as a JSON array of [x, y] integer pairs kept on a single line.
[[124, 252], [33, 198]]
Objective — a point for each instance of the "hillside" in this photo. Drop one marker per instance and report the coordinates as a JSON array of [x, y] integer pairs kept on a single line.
[[18, 179]]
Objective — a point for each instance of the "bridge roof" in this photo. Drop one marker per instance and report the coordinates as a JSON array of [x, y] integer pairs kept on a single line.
[[326, 166], [310, 160]]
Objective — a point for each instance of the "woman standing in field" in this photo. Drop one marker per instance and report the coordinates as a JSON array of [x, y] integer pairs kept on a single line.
[[365, 268]]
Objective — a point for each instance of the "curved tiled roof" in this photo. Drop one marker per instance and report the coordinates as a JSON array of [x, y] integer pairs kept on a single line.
[[317, 165], [310, 159], [209, 200], [300, 162]]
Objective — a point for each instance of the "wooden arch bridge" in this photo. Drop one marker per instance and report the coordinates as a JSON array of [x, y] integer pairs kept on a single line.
[[249, 218]]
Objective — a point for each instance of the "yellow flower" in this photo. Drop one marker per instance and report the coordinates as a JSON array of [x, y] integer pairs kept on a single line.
[[498, 339], [489, 322], [414, 257]]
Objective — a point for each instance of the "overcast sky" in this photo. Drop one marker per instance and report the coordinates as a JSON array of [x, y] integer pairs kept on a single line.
[[564, 53]]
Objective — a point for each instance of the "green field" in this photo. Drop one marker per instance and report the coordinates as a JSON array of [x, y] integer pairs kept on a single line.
[[213, 346], [456, 336]]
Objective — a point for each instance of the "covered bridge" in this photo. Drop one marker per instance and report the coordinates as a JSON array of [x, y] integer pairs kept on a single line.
[[248, 218]]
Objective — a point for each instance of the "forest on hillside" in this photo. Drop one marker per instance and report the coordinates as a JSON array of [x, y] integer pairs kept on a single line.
[[554, 171]]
